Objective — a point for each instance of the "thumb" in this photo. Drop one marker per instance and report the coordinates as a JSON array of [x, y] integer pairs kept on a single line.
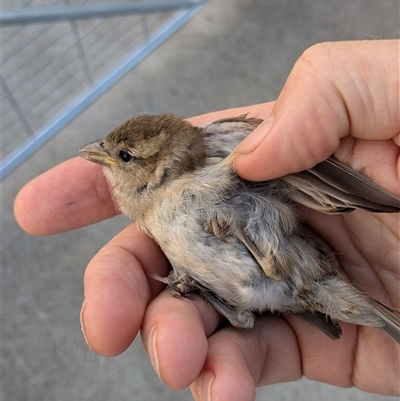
[[327, 96]]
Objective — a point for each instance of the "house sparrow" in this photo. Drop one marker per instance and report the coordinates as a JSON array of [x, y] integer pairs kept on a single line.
[[240, 245]]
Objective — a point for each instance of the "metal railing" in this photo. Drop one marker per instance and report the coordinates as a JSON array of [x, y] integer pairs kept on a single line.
[[57, 60]]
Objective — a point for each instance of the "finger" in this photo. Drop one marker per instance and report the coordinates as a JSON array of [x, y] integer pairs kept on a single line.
[[239, 360], [174, 334], [356, 359], [118, 287], [323, 359], [327, 96], [70, 195]]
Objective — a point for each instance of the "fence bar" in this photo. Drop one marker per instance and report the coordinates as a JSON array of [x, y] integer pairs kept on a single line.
[[29, 146], [32, 15]]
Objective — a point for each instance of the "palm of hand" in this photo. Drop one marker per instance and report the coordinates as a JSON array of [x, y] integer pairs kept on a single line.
[[368, 249]]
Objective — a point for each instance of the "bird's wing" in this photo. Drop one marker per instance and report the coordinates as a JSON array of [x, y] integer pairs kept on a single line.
[[329, 187], [224, 230], [253, 122], [332, 187], [222, 136], [267, 265]]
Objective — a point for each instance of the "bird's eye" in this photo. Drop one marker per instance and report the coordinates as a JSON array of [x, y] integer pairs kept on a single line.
[[125, 155]]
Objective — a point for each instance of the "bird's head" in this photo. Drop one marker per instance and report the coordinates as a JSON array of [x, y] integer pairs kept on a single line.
[[146, 152]]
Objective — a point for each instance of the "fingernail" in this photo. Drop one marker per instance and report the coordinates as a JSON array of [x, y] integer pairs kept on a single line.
[[205, 383], [82, 323], [256, 137], [153, 350]]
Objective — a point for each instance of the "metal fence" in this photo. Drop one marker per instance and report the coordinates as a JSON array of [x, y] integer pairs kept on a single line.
[[59, 56]]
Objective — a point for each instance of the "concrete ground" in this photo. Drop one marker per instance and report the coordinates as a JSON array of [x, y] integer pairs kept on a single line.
[[232, 53]]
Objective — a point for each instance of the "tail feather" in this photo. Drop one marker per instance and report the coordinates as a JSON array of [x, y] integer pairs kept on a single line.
[[336, 297], [322, 322], [390, 319]]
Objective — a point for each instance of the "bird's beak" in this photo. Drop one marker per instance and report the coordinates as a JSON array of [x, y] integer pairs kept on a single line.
[[95, 152]]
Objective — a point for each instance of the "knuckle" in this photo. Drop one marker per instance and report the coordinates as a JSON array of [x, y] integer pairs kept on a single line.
[[317, 60]]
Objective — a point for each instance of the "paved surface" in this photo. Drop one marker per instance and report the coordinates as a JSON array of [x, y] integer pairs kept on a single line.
[[233, 53]]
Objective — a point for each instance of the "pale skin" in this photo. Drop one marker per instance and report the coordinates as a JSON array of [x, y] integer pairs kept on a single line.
[[341, 99]]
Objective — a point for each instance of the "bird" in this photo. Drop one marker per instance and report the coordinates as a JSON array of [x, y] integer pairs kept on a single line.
[[240, 245]]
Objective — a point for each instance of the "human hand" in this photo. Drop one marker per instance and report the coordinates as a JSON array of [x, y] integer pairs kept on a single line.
[[121, 297], [343, 99]]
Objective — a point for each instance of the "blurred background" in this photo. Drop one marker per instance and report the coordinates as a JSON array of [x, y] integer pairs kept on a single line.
[[223, 54]]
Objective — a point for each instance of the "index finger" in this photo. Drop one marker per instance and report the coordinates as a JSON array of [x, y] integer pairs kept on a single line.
[[69, 196]]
